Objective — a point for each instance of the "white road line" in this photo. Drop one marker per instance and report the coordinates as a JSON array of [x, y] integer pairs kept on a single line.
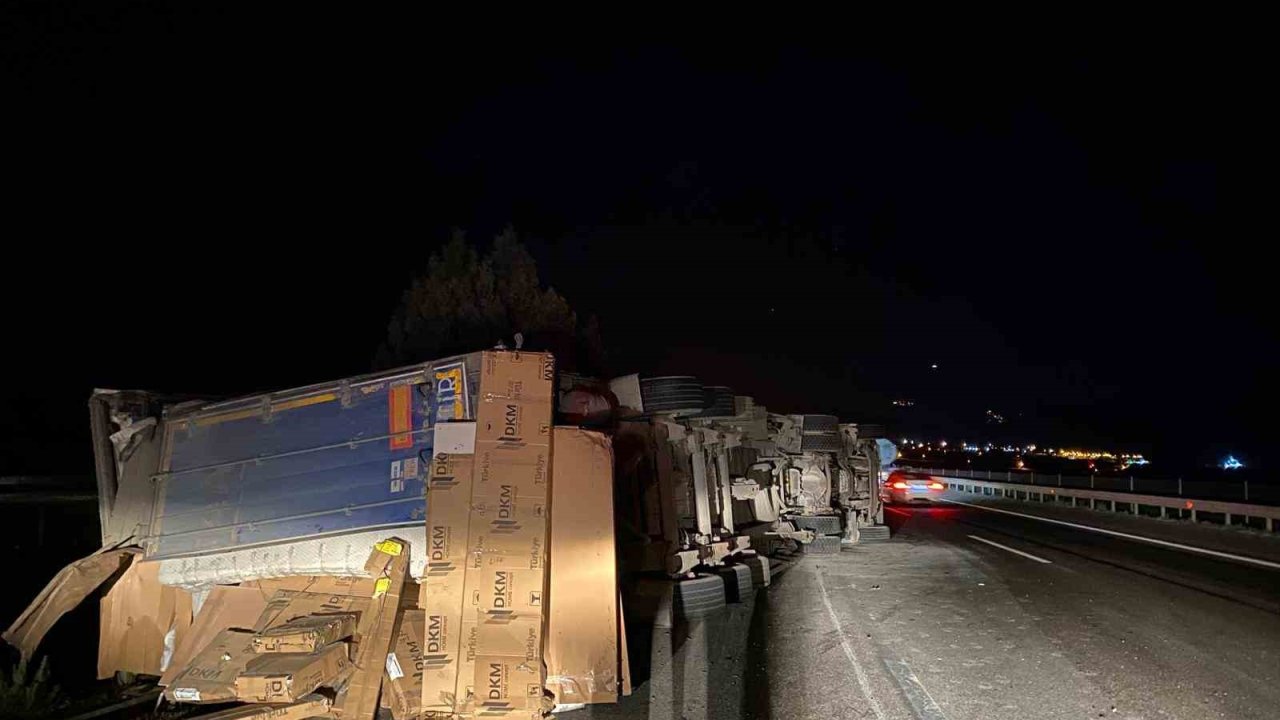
[[1177, 546], [863, 684], [1012, 550]]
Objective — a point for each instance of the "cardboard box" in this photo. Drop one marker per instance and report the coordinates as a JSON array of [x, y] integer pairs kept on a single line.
[[210, 677], [305, 634], [504, 582], [498, 592], [288, 605], [402, 686], [287, 677], [448, 517], [516, 397], [582, 653], [376, 630], [227, 607], [307, 707], [137, 614], [509, 529]]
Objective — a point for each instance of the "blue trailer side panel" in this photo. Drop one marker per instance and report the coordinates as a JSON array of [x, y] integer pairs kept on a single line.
[[325, 460]]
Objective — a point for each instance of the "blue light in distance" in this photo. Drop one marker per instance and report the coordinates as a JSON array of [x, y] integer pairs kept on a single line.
[[1231, 463]]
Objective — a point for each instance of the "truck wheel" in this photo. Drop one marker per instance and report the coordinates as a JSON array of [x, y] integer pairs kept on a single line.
[[820, 442], [738, 586], [822, 545], [698, 597], [820, 524], [877, 533], [819, 424]]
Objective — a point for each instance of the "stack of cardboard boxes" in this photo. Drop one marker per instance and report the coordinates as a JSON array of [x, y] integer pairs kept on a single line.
[[516, 613], [310, 651], [487, 516]]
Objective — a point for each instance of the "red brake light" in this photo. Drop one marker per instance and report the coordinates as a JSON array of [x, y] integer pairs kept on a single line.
[[900, 485], [935, 486]]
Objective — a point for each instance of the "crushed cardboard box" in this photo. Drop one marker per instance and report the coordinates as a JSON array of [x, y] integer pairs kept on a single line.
[[582, 615], [305, 634], [227, 607], [289, 605], [66, 590], [139, 619], [287, 677], [402, 685], [211, 675], [388, 565]]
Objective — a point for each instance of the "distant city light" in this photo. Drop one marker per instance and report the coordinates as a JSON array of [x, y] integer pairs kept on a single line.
[[1231, 463], [934, 366]]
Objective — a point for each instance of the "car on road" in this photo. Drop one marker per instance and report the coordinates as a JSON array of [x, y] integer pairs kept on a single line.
[[903, 487]]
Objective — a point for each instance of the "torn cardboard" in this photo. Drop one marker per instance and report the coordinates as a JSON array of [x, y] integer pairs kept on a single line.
[[305, 634], [307, 707], [137, 616], [210, 677], [389, 564], [288, 605], [582, 615], [66, 590], [226, 607], [287, 677], [402, 686]]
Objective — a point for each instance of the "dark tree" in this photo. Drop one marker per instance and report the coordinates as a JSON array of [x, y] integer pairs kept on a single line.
[[466, 302]]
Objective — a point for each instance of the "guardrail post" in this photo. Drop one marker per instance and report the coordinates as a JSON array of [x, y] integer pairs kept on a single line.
[[1008, 476], [1059, 479], [1130, 483], [1179, 486], [1246, 491], [1091, 482]]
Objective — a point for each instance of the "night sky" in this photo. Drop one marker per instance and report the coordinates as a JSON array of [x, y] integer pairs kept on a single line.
[[218, 203]]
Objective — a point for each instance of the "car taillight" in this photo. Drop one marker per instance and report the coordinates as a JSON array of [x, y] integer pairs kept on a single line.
[[900, 485], [935, 486]]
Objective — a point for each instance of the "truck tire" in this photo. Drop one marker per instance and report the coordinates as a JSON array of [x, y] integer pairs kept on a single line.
[[698, 597], [718, 400], [815, 442], [668, 394], [822, 545], [820, 524], [738, 586], [819, 424], [877, 533]]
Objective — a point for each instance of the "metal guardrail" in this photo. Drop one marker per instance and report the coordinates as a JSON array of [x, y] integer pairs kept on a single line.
[[1235, 491], [1177, 507]]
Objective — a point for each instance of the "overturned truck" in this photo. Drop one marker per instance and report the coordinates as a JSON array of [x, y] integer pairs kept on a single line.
[[710, 475]]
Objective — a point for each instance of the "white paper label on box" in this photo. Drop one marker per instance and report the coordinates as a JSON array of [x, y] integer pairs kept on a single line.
[[186, 694], [393, 667], [454, 438]]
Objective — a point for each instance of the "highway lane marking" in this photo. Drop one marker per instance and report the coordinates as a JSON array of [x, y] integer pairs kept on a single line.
[[1128, 536], [858, 672], [1015, 551]]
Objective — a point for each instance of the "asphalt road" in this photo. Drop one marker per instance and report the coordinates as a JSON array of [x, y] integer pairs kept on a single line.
[[973, 614]]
